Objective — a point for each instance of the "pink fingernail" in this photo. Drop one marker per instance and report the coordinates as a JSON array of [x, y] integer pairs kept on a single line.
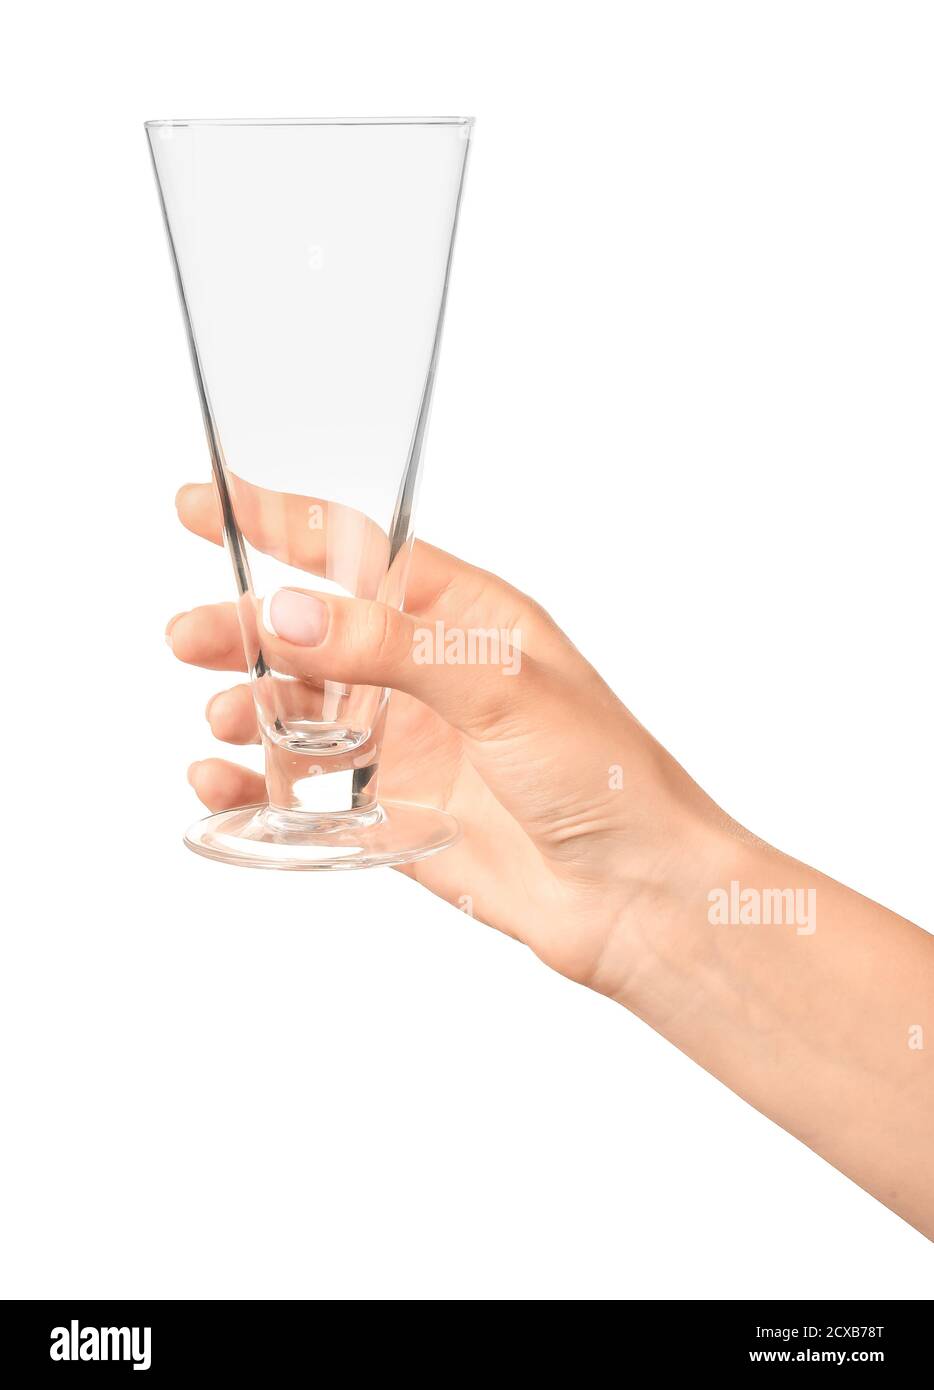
[[295, 617]]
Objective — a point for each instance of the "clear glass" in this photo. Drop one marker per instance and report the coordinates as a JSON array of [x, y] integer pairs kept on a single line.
[[312, 259]]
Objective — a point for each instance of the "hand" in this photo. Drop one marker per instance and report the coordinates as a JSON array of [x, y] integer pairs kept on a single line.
[[584, 839], [580, 833]]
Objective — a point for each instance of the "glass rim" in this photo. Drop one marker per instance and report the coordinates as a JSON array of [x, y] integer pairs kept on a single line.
[[311, 120]]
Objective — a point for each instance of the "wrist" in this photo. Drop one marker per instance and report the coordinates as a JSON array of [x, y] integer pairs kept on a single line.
[[667, 956]]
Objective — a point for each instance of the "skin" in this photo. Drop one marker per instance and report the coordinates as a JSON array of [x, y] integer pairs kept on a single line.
[[608, 885]]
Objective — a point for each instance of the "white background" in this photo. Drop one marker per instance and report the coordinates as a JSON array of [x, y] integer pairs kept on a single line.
[[685, 401]]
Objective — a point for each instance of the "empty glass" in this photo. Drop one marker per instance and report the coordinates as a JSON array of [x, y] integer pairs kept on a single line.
[[312, 259]]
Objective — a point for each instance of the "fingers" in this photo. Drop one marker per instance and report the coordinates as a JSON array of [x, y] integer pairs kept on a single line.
[[232, 713], [514, 712], [512, 684], [208, 636], [308, 533], [438, 585], [361, 642], [198, 511], [513, 709], [296, 530], [221, 785], [232, 716]]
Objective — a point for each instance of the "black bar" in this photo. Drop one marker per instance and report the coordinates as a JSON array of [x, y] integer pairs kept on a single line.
[[293, 1341]]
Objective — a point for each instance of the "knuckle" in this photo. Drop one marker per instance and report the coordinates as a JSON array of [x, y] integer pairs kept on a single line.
[[380, 633]]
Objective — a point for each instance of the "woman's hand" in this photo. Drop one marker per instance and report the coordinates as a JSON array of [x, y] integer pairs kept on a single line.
[[584, 839], [580, 833]]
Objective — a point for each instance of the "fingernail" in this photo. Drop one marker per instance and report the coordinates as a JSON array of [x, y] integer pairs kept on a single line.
[[191, 772], [168, 631], [295, 617]]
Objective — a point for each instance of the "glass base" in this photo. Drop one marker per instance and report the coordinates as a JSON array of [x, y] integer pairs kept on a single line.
[[259, 837]]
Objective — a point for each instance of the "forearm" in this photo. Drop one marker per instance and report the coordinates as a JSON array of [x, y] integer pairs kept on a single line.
[[823, 1019]]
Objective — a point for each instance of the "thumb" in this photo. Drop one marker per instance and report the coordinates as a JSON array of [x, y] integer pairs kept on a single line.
[[514, 714], [474, 680]]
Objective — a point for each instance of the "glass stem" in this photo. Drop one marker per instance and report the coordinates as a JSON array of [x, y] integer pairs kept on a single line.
[[316, 785]]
